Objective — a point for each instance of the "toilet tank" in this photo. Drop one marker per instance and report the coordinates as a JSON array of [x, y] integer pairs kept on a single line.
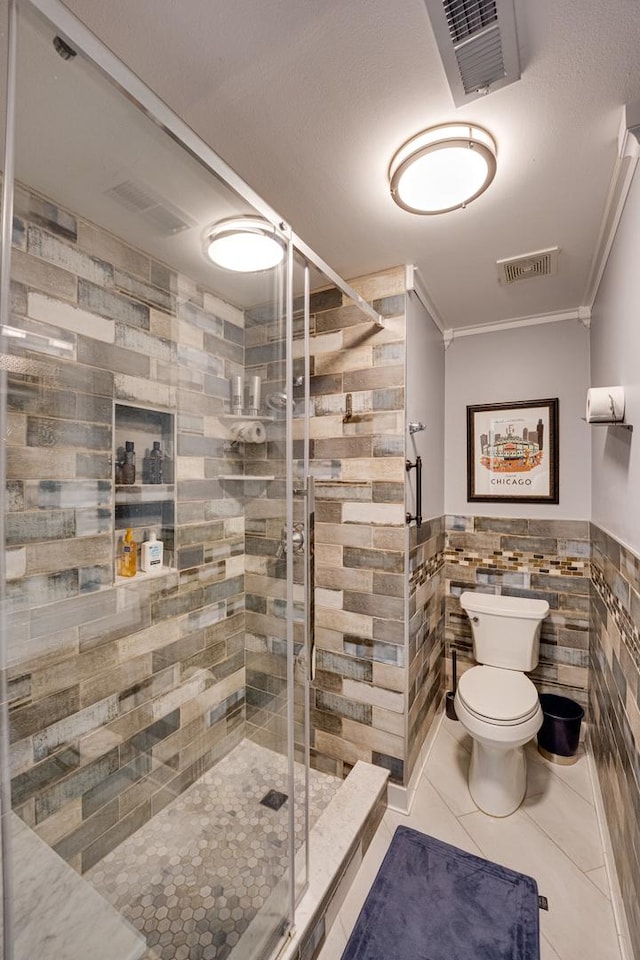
[[506, 630]]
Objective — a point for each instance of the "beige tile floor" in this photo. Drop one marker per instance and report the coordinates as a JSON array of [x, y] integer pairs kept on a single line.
[[554, 837]]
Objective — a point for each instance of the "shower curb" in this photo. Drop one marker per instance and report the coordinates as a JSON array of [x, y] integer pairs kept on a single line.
[[337, 845]]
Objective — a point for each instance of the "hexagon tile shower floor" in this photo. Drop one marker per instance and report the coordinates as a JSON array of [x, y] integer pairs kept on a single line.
[[193, 878]]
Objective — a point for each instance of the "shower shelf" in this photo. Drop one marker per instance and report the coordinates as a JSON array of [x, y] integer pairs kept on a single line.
[[145, 507], [144, 492], [246, 416], [245, 476], [142, 575]]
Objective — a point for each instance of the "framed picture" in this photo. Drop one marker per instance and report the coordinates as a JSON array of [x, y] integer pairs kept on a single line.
[[512, 452]]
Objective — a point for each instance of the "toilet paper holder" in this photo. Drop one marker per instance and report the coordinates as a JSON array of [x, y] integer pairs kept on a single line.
[[606, 407]]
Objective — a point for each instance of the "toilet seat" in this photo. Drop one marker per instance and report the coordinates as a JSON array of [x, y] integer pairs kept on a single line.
[[498, 696]]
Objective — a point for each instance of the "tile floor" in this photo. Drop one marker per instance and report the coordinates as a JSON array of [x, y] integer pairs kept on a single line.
[[554, 837], [196, 876]]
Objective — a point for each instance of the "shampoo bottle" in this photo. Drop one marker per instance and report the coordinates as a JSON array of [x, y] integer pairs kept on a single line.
[[151, 556], [127, 559]]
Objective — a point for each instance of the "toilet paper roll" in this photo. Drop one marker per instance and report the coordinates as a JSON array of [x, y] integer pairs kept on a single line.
[[605, 404], [249, 431]]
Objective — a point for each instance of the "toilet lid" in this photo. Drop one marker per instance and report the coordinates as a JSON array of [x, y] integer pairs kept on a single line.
[[500, 696]]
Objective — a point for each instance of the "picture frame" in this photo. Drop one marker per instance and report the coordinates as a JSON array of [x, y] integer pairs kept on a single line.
[[512, 452]]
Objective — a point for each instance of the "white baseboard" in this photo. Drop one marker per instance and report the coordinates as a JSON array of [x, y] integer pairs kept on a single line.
[[622, 927], [400, 799]]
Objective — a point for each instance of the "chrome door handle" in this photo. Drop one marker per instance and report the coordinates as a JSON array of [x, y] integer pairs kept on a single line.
[[310, 514]]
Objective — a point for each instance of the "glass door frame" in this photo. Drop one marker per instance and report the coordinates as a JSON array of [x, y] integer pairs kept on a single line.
[[5, 310]]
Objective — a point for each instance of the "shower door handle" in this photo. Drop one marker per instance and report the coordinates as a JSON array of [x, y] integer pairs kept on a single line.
[[310, 576]]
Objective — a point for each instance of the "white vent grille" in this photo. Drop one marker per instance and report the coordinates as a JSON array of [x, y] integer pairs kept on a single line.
[[478, 45], [164, 217], [480, 60], [542, 263], [466, 17]]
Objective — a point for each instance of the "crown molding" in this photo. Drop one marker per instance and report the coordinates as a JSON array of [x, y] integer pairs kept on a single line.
[[413, 282], [621, 180], [583, 314]]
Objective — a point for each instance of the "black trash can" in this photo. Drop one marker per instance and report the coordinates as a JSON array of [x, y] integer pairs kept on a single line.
[[559, 735]]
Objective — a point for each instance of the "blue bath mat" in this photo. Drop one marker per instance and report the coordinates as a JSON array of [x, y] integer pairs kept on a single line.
[[432, 901]]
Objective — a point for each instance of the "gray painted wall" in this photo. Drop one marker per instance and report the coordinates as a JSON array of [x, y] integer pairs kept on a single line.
[[525, 363], [615, 359], [425, 401]]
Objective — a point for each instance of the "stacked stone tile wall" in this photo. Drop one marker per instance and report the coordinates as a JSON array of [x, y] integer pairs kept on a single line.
[[545, 559], [121, 694], [615, 708]]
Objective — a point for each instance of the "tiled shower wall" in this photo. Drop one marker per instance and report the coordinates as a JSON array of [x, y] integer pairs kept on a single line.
[[365, 660], [544, 559], [266, 566], [358, 698], [377, 647], [615, 707], [121, 695]]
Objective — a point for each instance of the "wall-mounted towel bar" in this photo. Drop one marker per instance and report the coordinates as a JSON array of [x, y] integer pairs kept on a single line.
[[417, 466]]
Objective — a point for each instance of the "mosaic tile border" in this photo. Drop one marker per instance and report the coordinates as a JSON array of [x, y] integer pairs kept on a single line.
[[621, 616], [426, 571], [519, 562]]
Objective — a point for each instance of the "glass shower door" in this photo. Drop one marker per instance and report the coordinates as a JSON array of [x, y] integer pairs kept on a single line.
[[151, 717]]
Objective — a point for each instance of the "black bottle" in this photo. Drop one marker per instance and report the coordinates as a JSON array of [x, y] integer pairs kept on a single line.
[[154, 464], [129, 465]]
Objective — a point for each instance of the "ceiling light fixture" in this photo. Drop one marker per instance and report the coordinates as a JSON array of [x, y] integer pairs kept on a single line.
[[443, 168], [244, 244]]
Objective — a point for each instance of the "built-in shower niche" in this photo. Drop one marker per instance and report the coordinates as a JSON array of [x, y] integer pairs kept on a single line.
[[146, 505]]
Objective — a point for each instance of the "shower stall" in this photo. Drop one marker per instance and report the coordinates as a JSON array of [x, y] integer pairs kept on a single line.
[[156, 782]]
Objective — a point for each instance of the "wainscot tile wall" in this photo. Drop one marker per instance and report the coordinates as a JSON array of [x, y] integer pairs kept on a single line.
[[426, 603], [124, 694], [615, 707], [545, 559]]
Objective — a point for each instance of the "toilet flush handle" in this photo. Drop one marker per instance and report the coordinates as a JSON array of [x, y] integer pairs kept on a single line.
[[475, 620]]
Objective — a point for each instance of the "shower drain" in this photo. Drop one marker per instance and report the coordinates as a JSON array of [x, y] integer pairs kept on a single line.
[[274, 799]]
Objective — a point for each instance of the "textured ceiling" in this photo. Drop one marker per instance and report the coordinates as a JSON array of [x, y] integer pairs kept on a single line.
[[308, 101]]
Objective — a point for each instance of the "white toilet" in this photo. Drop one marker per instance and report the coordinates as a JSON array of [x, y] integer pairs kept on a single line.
[[496, 703]]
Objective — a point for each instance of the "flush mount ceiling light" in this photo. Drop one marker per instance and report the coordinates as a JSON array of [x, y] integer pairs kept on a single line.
[[244, 244], [443, 168]]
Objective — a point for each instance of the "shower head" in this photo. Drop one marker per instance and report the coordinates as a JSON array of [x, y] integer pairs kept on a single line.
[[63, 49], [277, 401]]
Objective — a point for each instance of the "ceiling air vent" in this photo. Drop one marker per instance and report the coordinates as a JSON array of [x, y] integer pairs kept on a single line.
[[542, 263], [163, 216], [478, 44]]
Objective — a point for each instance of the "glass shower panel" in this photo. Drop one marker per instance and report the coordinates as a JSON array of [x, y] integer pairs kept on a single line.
[[6, 877], [317, 359], [151, 710]]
